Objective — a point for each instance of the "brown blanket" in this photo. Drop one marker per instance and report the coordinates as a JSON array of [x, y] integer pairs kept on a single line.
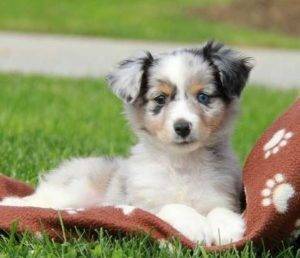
[[272, 187]]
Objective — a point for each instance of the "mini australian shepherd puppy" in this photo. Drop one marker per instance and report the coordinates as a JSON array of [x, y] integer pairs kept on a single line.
[[181, 106]]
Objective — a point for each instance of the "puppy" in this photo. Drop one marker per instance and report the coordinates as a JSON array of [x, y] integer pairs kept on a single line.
[[181, 106]]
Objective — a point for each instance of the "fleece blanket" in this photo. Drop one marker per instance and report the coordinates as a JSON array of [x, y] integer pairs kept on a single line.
[[271, 178]]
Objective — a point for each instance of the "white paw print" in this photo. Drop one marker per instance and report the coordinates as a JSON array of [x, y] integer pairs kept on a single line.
[[296, 232], [278, 193], [278, 140], [127, 209]]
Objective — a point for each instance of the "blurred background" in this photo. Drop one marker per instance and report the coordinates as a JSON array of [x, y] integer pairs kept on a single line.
[[86, 38], [268, 23]]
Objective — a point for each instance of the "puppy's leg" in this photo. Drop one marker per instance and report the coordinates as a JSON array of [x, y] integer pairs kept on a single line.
[[226, 226], [75, 183], [187, 221]]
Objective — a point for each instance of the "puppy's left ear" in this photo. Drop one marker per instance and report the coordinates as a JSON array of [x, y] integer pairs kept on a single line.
[[130, 77], [230, 66]]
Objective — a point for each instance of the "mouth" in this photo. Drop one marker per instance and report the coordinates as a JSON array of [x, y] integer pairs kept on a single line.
[[184, 143]]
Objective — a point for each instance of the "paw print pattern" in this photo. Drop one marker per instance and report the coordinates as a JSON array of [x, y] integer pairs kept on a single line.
[[277, 192], [296, 232], [278, 140], [127, 209]]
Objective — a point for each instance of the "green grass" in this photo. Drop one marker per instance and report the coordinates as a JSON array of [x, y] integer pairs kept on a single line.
[[166, 20], [45, 120], [118, 247]]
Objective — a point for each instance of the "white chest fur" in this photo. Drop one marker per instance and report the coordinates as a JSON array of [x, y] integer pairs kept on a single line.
[[154, 181]]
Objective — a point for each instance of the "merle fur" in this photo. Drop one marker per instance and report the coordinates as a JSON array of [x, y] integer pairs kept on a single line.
[[157, 109], [230, 70], [144, 62], [148, 61]]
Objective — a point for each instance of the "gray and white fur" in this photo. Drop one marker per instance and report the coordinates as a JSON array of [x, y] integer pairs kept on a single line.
[[181, 106]]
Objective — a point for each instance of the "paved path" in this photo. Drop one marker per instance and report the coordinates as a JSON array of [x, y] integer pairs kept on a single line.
[[80, 57]]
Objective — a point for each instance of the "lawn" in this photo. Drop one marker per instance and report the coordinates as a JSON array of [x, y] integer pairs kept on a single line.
[[167, 20], [44, 120]]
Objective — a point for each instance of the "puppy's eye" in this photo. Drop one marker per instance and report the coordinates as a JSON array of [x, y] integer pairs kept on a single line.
[[160, 100], [203, 98]]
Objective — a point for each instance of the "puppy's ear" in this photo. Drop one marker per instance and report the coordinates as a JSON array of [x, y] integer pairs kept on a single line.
[[130, 77], [231, 69]]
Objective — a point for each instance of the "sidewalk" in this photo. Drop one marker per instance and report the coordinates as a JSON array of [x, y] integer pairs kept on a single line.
[[81, 57]]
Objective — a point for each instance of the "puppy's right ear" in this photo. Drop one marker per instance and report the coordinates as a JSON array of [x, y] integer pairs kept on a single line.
[[130, 76]]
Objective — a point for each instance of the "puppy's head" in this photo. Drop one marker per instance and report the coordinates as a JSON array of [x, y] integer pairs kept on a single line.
[[184, 99]]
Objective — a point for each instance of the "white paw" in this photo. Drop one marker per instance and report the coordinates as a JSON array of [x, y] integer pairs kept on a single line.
[[278, 193], [187, 221], [278, 140], [226, 226]]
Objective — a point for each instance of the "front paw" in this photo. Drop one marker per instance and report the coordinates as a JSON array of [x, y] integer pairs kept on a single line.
[[227, 226], [13, 201], [188, 222]]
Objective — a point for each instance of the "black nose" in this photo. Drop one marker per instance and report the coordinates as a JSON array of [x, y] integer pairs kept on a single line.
[[182, 128]]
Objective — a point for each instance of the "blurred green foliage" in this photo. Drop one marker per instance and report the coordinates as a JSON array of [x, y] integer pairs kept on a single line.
[[164, 20]]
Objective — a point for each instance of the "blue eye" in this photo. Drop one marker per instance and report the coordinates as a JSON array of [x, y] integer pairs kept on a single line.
[[203, 98]]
